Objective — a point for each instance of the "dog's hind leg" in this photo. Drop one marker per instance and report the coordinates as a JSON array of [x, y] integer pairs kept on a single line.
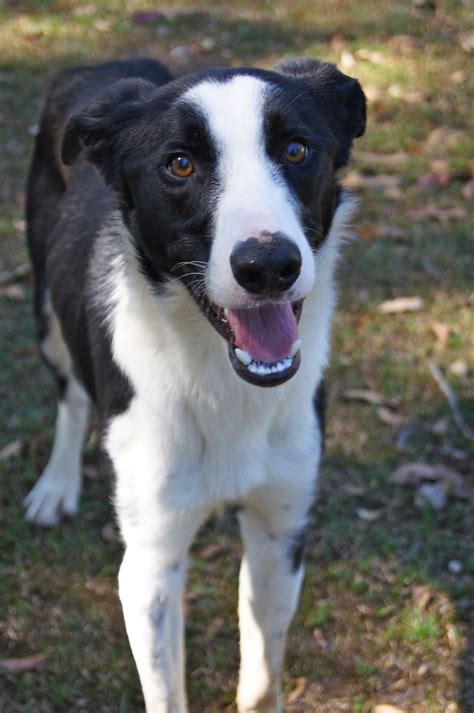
[[57, 491]]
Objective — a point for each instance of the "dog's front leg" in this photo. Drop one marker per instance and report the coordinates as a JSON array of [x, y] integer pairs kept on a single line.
[[151, 586], [273, 531]]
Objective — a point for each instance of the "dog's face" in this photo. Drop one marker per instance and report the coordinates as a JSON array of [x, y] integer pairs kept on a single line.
[[226, 180]]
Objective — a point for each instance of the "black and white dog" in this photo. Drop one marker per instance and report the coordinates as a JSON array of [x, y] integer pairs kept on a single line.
[[184, 235]]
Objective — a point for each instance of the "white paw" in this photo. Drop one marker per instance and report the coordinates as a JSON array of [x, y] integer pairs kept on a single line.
[[55, 494]]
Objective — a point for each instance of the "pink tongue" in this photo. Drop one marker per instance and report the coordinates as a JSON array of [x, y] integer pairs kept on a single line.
[[267, 333]]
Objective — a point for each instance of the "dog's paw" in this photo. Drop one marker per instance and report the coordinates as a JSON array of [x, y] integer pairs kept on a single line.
[[53, 496]]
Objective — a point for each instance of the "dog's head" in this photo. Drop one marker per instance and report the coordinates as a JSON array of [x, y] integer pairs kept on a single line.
[[227, 181]]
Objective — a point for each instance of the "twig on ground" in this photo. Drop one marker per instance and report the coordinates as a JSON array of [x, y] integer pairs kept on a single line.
[[445, 389], [17, 273]]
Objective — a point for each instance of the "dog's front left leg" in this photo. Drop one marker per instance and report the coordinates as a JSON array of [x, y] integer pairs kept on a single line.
[[151, 585]]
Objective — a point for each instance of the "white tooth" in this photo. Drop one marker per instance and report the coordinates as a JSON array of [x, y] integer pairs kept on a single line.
[[243, 357], [253, 368], [287, 363], [261, 370], [296, 346], [275, 369]]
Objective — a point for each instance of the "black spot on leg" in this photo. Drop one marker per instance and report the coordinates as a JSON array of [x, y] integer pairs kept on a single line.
[[157, 621], [296, 549], [320, 401]]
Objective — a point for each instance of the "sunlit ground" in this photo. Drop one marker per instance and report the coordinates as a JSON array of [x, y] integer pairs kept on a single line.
[[387, 608]]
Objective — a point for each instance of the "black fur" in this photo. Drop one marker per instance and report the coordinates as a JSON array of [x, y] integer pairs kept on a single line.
[[123, 118]]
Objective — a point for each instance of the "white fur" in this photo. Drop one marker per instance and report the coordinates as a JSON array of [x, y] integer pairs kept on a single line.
[[193, 437], [252, 198], [58, 489]]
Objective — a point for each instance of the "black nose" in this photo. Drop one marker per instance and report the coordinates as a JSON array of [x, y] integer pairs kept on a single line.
[[266, 265]]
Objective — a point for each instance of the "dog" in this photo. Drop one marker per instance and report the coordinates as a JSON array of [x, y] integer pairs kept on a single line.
[[184, 234]]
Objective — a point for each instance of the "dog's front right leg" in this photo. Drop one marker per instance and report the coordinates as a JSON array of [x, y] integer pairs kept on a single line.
[[151, 586]]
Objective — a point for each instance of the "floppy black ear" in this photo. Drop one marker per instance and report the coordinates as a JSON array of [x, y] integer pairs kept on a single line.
[[92, 134], [343, 96]]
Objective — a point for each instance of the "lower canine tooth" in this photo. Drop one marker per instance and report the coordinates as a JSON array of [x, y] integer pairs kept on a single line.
[[296, 346], [243, 357]]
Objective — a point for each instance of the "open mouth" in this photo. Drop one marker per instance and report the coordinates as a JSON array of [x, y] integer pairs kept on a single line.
[[264, 348]]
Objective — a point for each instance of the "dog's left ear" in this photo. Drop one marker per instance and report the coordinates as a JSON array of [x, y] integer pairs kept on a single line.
[[97, 133], [332, 90]]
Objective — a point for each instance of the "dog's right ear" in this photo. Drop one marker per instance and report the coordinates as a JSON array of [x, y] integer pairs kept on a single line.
[[92, 133]]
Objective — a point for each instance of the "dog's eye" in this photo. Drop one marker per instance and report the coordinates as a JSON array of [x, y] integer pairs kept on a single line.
[[296, 152], [181, 166]]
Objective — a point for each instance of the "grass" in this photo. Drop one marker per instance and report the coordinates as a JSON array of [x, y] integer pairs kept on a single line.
[[361, 636]]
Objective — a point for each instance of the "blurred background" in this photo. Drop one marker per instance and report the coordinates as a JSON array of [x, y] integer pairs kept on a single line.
[[386, 617]]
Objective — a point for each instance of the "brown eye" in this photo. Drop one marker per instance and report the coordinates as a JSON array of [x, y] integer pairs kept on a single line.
[[181, 166], [296, 152]]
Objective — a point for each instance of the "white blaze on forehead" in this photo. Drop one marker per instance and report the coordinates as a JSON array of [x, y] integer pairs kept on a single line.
[[251, 196]]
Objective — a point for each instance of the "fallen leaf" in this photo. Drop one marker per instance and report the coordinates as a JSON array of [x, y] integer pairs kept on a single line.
[[298, 690], [367, 515], [10, 450], [370, 231], [467, 42], [422, 596], [434, 212], [415, 473], [26, 663], [458, 368], [389, 417], [319, 639], [441, 332], [433, 180], [366, 395], [398, 159], [15, 293], [401, 304], [387, 708], [382, 181], [212, 551], [467, 191]]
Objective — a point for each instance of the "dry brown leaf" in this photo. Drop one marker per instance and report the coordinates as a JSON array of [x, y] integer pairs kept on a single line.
[[467, 191], [382, 181], [422, 596], [367, 515], [298, 690], [416, 472], [399, 159], [212, 551], [16, 293], [366, 395], [26, 663], [434, 212], [370, 231], [433, 180], [10, 450], [401, 304], [389, 417], [441, 332]]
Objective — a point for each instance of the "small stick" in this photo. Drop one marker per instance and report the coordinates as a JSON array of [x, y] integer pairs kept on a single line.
[[452, 400], [17, 273]]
